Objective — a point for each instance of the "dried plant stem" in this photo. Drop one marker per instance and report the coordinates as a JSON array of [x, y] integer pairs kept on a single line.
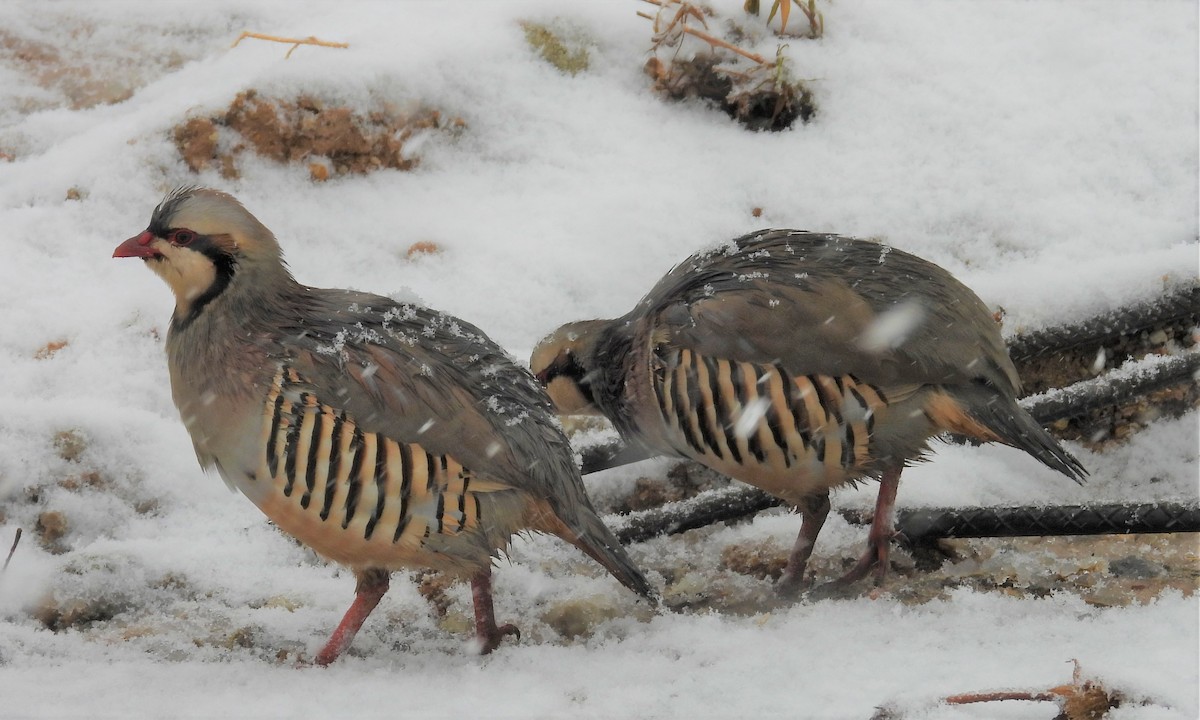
[[710, 39], [815, 22], [12, 550], [1078, 700], [294, 42], [1063, 694], [968, 698]]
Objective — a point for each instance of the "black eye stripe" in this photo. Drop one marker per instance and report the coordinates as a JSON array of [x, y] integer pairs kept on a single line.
[[225, 265]]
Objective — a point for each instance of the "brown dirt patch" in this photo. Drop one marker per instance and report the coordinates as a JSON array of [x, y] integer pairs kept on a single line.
[[331, 140], [80, 82], [1102, 570]]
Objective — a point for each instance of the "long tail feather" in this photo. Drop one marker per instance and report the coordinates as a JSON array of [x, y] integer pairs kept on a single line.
[[1016, 427], [595, 539]]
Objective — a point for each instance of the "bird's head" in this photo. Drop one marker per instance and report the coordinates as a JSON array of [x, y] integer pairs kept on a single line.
[[200, 241], [563, 363]]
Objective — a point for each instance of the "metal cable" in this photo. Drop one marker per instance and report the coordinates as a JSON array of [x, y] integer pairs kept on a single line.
[[707, 508], [1181, 305], [1114, 387], [924, 524]]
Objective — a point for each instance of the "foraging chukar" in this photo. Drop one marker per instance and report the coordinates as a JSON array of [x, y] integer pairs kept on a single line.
[[382, 435], [798, 362]]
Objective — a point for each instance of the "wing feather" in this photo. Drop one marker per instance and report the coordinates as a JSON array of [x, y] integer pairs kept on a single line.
[[418, 376], [820, 304]]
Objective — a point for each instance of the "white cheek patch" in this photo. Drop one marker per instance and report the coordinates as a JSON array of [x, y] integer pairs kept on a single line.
[[188, 273]]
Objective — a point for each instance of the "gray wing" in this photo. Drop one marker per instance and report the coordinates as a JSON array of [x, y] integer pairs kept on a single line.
[[423, 377], [824, 304]]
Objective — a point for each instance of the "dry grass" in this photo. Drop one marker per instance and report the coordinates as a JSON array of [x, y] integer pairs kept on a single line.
[[756, 91], [328, 140], [559, 47]]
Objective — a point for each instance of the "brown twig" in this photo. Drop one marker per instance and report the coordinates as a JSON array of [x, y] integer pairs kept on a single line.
[[816, 23], [706, 37], [11, 550], [968, 698], [718, 42], [1079, 700], [294, 42]]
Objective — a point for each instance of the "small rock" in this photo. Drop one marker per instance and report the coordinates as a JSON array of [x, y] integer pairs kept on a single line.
[[48, 350], [1132, 566], [51, 527], [77, 612], [762, 559], [434, 587], [242, 637], [456, 623], [319, 172], [422, 247], [577, 617], [70, 445], [692, 587], [281, 601]]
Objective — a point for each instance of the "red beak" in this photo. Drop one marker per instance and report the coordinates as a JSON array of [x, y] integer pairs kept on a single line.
[[137, 246]]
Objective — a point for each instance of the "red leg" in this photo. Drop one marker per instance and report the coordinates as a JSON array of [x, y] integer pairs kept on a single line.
[[879, 539], [813, 511], [485, 615], [372, 584]]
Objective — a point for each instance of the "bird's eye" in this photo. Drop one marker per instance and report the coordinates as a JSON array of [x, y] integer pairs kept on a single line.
[[181, 237]]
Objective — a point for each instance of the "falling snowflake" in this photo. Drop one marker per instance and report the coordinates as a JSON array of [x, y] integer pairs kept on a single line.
[[747, 423], [891, 328]]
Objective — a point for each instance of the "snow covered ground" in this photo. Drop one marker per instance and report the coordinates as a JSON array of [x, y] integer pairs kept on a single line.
[[1046, 153]]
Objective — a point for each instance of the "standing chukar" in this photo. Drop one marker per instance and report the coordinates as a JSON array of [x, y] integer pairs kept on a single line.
[[382, 435], [798, 362]]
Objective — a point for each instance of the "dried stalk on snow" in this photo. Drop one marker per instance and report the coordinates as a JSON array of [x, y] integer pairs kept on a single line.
[[13, 549], [1080, 699], [669, 33], [294, 42]]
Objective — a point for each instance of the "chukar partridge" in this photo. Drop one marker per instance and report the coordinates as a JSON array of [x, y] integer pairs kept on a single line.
[[798, 362], [383, 435]]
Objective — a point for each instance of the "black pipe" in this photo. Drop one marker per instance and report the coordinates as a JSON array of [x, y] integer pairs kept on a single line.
[[1180, 306]]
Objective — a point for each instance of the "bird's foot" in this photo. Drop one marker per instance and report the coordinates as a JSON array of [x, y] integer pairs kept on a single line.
[[489, 640], [792, 585], [873, 561]]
